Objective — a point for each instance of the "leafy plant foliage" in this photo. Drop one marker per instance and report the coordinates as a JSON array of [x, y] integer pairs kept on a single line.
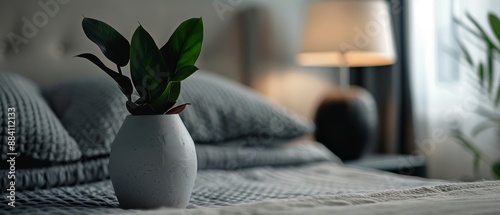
[[486, 74], [156, 72]]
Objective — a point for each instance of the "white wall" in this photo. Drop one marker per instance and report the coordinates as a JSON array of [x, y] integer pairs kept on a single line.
[[47, 57], [52, 48]]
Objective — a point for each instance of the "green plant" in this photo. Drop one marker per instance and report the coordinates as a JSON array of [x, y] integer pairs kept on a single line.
[[485, 73], [156, 72]]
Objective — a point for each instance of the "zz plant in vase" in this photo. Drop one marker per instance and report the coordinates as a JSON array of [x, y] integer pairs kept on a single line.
[[153, 158]]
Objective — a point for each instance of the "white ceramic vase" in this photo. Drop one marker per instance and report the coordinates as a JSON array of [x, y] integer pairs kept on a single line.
[[153, 162]]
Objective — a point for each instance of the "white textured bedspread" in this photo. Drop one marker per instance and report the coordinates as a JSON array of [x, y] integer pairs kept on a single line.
[[453, 198]]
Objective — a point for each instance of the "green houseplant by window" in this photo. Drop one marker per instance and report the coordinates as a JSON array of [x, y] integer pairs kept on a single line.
[[153, 159], [485, 73]]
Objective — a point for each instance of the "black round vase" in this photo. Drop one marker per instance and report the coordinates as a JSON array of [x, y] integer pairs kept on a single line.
[[346, 122]]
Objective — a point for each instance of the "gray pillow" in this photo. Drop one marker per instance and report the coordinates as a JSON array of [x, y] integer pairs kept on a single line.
[[226, 111], [92, 110], [39, 133]]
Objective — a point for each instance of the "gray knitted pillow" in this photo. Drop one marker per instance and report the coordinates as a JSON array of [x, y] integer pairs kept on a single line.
[[226, 111], [39, 134], [92, 110], [222, 111]]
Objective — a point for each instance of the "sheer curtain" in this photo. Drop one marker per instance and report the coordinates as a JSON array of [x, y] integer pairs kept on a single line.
[[443, 96]]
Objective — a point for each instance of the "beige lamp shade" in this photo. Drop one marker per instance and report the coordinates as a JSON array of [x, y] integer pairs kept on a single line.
[[353, 33]]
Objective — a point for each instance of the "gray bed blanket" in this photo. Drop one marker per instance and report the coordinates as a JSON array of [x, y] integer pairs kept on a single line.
[[457, 199], [215, 188], [209, 157]]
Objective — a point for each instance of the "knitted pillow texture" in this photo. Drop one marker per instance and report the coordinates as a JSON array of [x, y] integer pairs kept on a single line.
[[224, 111], [38, 132]]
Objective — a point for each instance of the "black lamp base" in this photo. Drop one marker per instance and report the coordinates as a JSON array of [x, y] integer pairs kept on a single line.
[[346, 122]]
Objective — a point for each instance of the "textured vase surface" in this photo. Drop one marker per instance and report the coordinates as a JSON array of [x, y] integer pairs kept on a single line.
[[153, 162]]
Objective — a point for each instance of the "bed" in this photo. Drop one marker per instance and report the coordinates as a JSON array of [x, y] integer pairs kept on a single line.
[[252, 157], [311, 186], [314, 188]]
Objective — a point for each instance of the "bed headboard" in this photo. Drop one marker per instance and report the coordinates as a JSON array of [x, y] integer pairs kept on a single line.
[[39, 38]]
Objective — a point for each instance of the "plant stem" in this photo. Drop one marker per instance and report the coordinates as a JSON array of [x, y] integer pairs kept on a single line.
[[119, 69], [490, 68]]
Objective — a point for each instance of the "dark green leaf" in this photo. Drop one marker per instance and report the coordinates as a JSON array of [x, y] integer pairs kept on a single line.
[[490, 46], [480, 73], [466, 54], [160, 103], [141, 109], [482, 127], [146, 66], [175, 92], [168, 98], [184, 72], [490, 68], [123, 81], [178, 109], [495, 25], [184, 46], [481, 30], [114, 46], [496, 169]]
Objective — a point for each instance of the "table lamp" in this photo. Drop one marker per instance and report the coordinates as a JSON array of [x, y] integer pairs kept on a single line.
[[344, 34]]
